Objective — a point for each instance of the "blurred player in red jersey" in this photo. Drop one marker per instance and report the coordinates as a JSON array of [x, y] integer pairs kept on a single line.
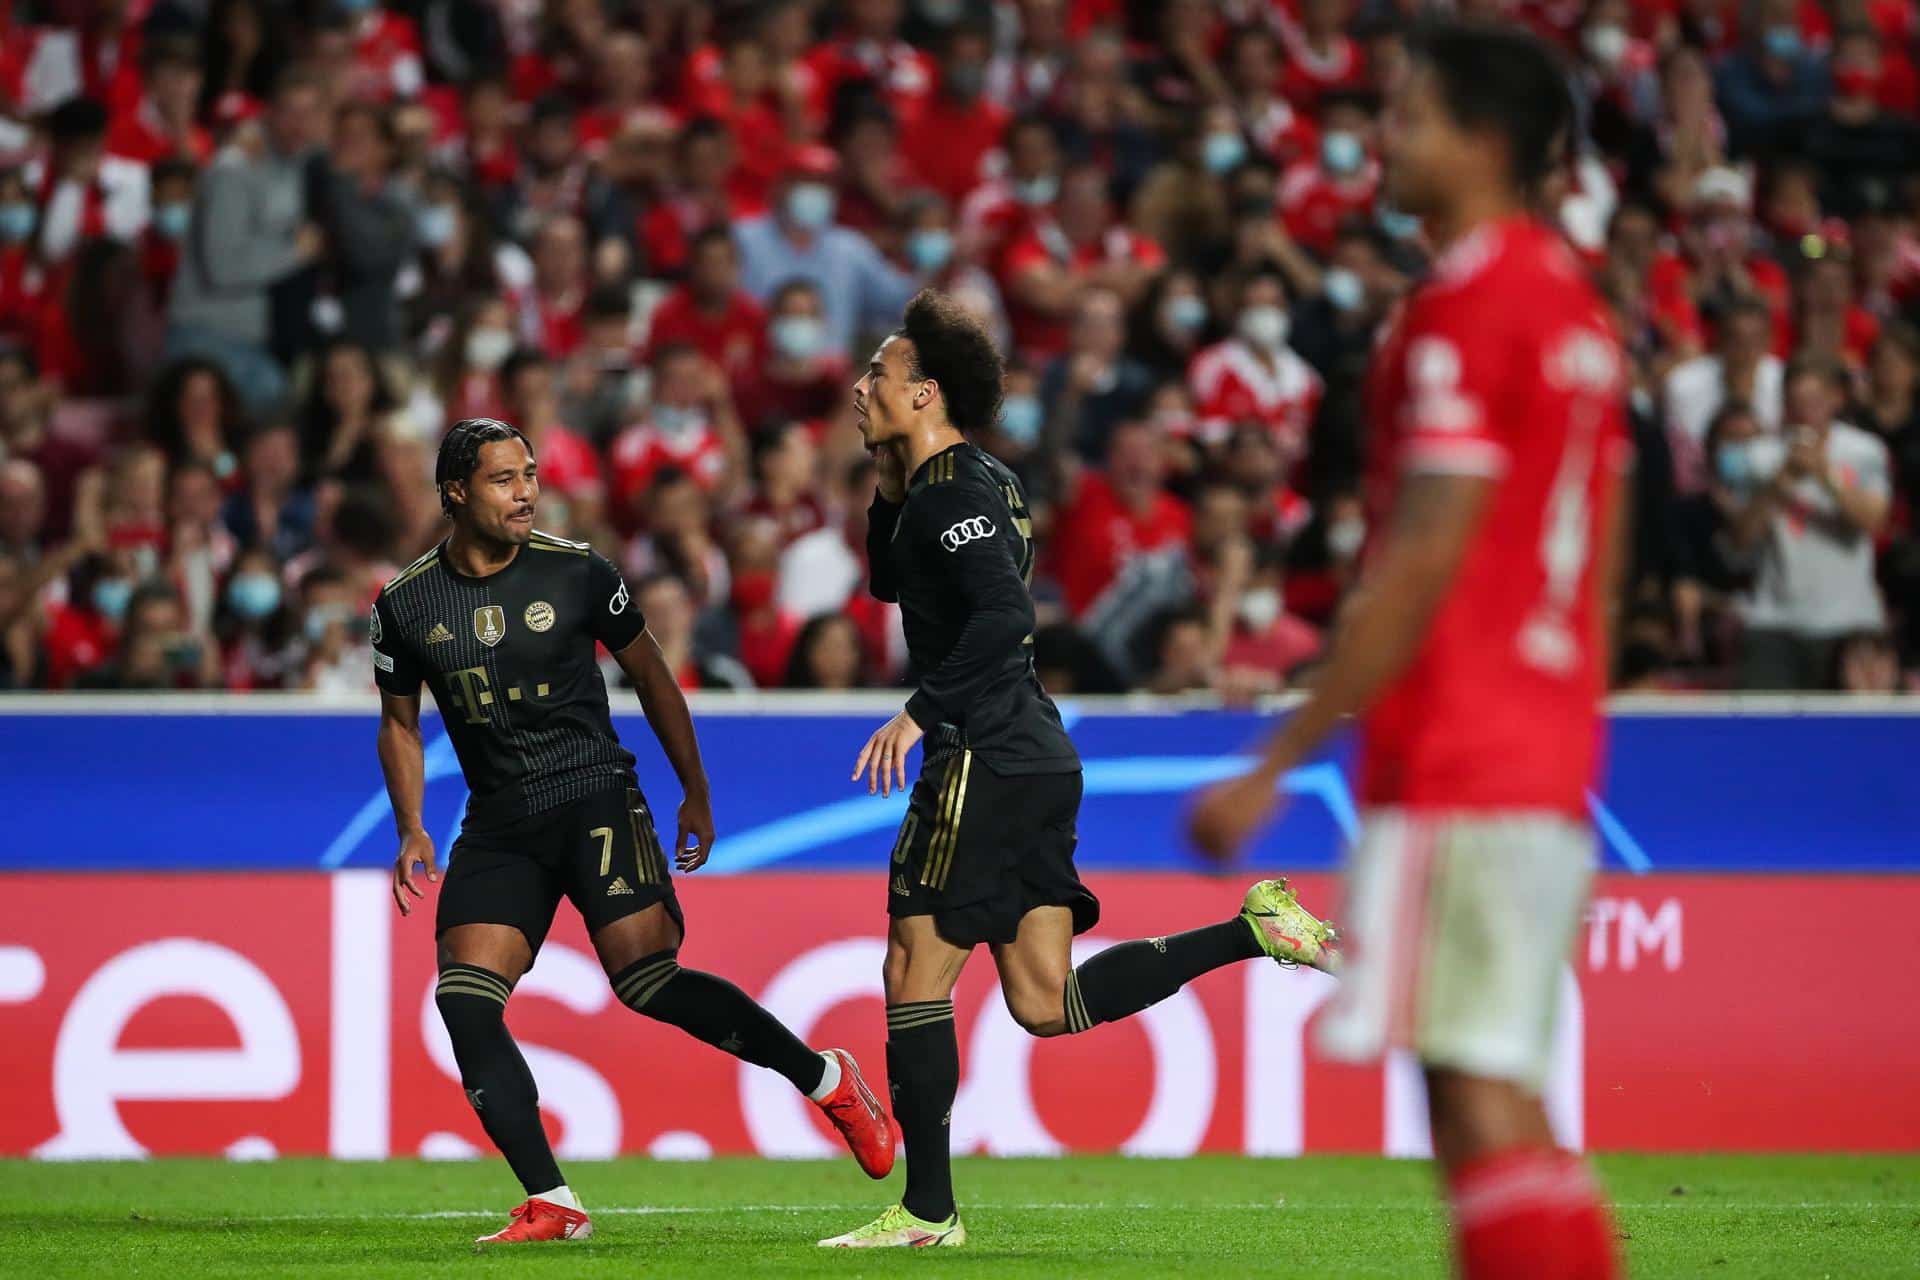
[[1474, 652]]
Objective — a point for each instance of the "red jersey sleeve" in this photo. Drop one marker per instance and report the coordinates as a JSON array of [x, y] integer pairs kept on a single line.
[[1457, 361]]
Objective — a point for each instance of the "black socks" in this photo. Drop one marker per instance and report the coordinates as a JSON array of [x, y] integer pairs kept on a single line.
[[714, 1010], [473, 1004], [923, 1073], [1124, 979]]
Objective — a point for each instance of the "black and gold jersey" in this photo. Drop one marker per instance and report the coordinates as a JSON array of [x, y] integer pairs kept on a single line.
[[958, 556], [512, 665]]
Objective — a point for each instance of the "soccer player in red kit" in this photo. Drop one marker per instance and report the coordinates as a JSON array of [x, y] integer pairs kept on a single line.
[[1473, 652]]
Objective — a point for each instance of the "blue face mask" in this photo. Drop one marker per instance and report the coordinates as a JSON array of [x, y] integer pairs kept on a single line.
[[1020, 420], [1400, 226], [1734, 464], [171, 220], [1343, 289], [353, 7], [797, 337], [16, 220], [674, 420], [810, 205], [254, 595], [435, 225], [1222, 152], [930, 249], [1037, 191], [1782, 43], [1185, 313], [1341, 153], [110, 597], [320, 617]]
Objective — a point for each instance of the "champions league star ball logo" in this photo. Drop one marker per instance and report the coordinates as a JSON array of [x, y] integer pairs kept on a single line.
[[490, 624]]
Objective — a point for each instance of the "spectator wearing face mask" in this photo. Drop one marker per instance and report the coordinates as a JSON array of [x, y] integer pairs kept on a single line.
[[1322, 59], [254, 627], [1713, 534], [84, 192], [936, 255], [1282, 131], [860, 291], [459, 259], [159, 649], [1739, 368], [1078, 247], [333, 625], [1342, 181], [802, 377], [161, 243], [1265, 644], [712, 313], [1855, 144], [1170, 323], [1093, 386], [466, 370], [1773, 81], [948, 145], [1004, 207], [1254, 376], [690, 426], [82, 632], [1825, 506]]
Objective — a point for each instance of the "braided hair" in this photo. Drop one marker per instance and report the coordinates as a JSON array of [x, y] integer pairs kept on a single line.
[[460, 452]]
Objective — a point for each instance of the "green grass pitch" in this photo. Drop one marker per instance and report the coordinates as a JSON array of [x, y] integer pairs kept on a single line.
[[1728, 1216]]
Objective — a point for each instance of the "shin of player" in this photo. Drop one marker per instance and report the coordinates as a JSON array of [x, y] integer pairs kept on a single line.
[[1474, 650], [503, 623], [985, 853]]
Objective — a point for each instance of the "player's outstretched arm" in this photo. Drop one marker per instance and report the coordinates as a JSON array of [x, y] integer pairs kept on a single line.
[[1380, 630], [403, 759], [666, 710]]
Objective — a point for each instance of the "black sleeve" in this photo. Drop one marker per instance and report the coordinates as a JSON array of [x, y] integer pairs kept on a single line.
[[394, 667], [613, 617], [882, 518], [968, 531]]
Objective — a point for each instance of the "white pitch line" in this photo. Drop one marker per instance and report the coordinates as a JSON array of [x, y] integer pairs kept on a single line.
[[649, 1210]]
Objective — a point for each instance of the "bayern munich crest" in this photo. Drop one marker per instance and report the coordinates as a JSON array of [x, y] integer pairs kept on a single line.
[[539, 616]]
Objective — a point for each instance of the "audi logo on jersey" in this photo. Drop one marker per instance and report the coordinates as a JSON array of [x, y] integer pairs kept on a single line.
[[972, 529]]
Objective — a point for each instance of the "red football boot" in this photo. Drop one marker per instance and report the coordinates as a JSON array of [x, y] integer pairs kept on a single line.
[[860, 1118], [537, 1219]]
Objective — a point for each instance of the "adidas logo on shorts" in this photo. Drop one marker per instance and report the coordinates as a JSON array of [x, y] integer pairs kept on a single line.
[[618, 887]]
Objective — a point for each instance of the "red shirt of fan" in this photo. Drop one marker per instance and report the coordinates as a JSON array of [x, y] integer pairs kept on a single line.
[[1231, 385], [949, 142], [1504, 364], [639, 453], [1039, 336], [386, 57], [1095, 536], [735, 339], [1313, 202]]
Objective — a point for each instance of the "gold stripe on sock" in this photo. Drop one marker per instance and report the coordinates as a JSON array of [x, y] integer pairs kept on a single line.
[[478, 975], [634, 981], [920, 1013], [653, 989], [470, 989], [1076, 1008]]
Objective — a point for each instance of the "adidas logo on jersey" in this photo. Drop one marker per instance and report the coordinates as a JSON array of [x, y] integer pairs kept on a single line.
[[618, 887], [439, 633]]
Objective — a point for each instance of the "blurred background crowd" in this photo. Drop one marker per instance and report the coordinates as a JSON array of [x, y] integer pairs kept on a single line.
[[256, 255]]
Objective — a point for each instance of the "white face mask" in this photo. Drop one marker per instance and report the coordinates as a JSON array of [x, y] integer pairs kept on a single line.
[[1264, 327], [1606, 44], [1259, 608], [1345, 536], [488, 349]]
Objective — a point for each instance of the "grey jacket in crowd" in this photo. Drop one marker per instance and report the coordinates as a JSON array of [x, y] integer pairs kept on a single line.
[[371, 236], [245, 218]]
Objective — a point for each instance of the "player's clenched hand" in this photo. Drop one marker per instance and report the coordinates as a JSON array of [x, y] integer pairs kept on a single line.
[[1228, 813], [416, 849], [884, 758], [696, 820]]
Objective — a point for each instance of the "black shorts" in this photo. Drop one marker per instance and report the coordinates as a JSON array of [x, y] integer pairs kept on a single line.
[[978, 850], [601, 851]]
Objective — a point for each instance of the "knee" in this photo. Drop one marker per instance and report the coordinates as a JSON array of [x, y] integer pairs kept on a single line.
[[1039, 1009], [893, 972]]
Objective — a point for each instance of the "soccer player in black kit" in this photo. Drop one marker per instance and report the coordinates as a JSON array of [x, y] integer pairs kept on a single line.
[[985, 853], [501, 622]]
